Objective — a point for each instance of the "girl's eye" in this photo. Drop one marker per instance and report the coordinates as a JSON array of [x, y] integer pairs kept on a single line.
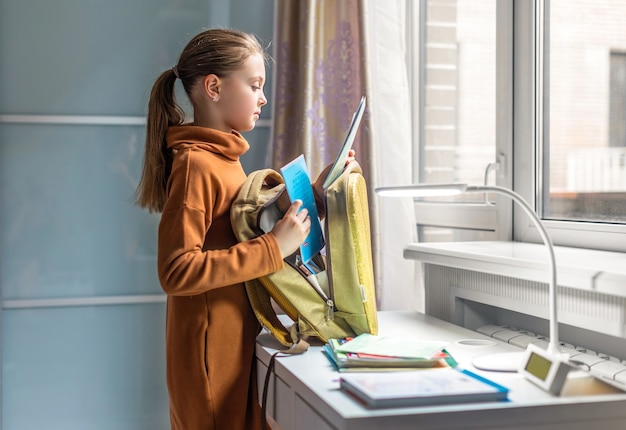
[[255, 88]]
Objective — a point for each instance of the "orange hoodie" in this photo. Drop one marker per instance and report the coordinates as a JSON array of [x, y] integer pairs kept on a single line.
[[210, 326]]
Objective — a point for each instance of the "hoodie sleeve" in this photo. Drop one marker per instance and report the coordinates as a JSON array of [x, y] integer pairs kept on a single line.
[[197, 251]]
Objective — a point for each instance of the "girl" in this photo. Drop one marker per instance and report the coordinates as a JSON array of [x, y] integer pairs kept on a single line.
[[191, 174]]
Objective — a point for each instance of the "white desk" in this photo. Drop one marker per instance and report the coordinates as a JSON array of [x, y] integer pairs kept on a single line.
[[305, 395]]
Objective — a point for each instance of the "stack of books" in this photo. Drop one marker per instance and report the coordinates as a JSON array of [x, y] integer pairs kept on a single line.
[[370, 356], [372, 353]]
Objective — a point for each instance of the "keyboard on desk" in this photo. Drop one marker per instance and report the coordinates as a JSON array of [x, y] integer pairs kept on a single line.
[[603, 366]]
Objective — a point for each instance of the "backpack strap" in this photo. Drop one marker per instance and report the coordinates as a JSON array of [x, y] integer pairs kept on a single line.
[[265, 313], [260, 210], [255, 183]]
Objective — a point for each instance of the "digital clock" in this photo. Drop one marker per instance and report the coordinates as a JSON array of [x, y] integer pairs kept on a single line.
[[547, 370]]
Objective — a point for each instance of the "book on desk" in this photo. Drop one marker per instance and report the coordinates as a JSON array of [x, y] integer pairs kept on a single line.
[[351, 361], [438, 380], [430, 387]]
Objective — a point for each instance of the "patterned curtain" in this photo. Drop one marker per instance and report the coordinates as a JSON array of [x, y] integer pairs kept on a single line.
[[319, 81], [326, 54]]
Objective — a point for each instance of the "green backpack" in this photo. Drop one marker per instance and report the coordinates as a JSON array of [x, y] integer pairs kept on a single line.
[[341, 300]]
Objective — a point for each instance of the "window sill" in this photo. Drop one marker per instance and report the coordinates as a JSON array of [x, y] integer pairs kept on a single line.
[[584, 269]]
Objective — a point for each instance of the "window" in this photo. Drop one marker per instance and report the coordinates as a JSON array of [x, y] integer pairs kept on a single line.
[[456, 74], [617, 100], [540, 88], [586, 67], [570, 160], [459, 90]]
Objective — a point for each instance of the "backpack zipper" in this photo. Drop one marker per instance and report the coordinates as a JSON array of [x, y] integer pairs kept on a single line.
[[313, 282]]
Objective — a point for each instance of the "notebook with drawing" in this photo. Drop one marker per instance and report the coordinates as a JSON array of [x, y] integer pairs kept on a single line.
[[338, 165]]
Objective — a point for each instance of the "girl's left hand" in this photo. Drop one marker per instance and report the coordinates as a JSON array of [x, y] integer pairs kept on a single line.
[[351, 157], [318, 186]]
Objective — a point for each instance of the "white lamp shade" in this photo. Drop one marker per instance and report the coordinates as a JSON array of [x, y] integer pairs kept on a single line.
[[422, 190]]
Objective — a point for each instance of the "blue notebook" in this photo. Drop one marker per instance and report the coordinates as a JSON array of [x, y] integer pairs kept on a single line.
[[298, 184]]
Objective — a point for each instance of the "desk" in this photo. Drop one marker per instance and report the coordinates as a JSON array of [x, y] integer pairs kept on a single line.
[[304, 393]]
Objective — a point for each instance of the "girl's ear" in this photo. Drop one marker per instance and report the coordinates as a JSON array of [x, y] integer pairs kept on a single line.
[[211, 85]]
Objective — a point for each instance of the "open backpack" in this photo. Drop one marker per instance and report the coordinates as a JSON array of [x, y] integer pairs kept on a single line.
[[338, 300]]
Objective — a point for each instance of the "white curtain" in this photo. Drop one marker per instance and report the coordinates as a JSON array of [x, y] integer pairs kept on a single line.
[[399, 280], [321, 73]]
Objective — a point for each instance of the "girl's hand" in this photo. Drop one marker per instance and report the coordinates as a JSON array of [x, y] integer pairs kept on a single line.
[[351, 157], [291, 230], [318, 186]]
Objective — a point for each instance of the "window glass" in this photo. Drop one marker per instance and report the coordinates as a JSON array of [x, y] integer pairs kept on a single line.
[[586, 141], [458, 85]]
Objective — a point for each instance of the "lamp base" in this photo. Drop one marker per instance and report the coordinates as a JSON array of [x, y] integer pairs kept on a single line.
[[500, 362]]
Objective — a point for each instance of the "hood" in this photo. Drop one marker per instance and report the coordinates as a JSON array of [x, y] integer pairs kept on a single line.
[[231, 145]]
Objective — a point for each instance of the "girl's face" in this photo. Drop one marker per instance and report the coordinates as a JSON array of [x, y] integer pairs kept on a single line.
[[242, 95]]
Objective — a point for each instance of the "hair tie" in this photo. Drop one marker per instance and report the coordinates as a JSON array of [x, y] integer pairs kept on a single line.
[[175, 70]]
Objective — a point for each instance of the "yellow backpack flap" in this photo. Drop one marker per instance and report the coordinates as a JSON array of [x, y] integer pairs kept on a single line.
[[336, 305]]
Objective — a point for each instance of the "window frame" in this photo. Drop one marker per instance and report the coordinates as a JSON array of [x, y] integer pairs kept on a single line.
[[531, 136], [522, 77], [471, 220]]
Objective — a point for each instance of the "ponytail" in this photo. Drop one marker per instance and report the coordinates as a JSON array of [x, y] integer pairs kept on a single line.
[[214, 51], [163, 112]]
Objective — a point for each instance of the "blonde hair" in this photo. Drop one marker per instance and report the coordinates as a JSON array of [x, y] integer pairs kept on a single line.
[[214, 51]]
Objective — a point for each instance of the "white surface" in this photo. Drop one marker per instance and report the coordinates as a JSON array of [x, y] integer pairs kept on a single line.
[[311, 378], [587, 269]]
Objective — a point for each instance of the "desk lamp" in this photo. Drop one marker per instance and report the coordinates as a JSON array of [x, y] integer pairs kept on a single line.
[[546, 368]]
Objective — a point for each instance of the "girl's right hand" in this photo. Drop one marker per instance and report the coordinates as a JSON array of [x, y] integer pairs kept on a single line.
[[291, 230]]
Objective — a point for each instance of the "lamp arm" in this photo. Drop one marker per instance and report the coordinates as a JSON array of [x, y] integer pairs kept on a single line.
[[553, 346]]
